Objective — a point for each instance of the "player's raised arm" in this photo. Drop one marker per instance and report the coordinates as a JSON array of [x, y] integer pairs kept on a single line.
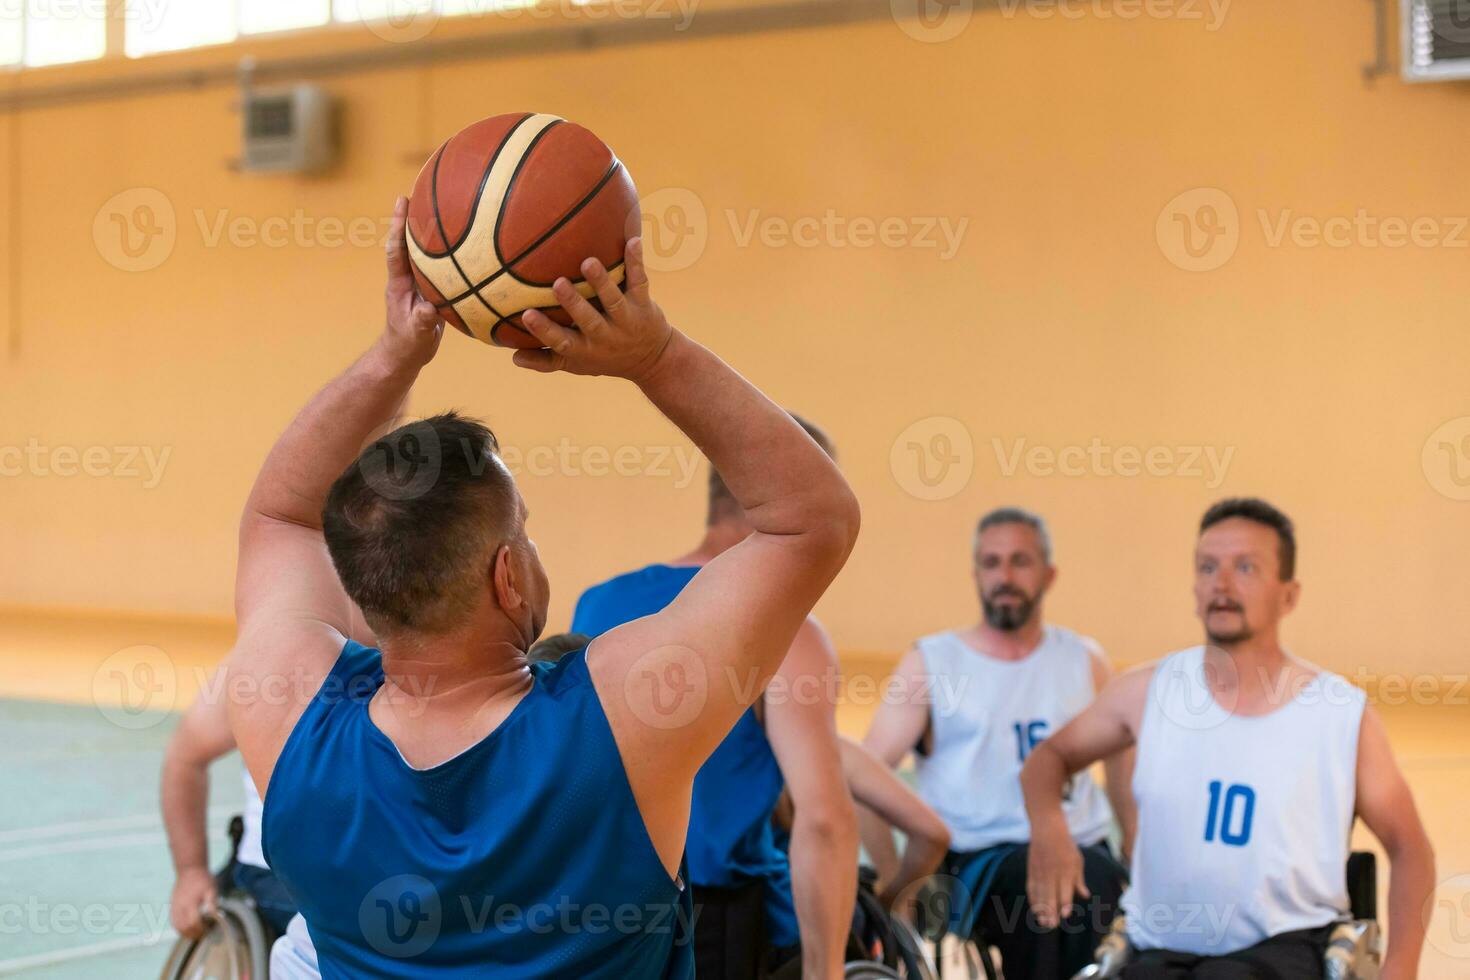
[[729, 629], [1107, 726], [290, 606]]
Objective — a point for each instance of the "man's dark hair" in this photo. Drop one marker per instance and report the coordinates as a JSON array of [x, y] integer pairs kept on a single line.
[[1258, 510], [413, 523], [722, 503], [1017, 515]]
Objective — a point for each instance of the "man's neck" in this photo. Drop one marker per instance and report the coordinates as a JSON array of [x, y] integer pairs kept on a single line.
[[1016, 644], [1252, 675], [452, 672], [718, 538]]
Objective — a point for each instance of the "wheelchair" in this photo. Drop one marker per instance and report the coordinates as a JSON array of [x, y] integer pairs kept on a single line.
[[1354, 950], [880, 946], [237, 943]]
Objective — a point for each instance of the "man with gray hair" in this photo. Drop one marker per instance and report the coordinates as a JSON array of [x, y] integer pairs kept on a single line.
[[971, 704]]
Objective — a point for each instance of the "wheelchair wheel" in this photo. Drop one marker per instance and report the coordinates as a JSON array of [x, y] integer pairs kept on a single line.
[[913, 958], [234, 948], [870, 971]]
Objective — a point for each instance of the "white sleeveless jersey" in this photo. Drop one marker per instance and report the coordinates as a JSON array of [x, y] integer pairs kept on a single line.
[[250, 852], [293, 957], [1243, 821], [986, 716]]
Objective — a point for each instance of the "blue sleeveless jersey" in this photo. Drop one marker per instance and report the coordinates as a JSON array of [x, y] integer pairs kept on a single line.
[[524, 856], [731, 841]]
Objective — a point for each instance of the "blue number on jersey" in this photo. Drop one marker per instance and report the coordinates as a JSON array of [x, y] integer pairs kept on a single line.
[[1223, 813], [1028, 735]]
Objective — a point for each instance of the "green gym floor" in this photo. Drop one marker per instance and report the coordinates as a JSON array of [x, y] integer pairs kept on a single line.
[[84, 868]]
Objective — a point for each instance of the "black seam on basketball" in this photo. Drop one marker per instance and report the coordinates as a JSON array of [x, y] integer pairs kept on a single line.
[[505, 268], [510, 188], [485, 177], [439, 221], [433, 200]]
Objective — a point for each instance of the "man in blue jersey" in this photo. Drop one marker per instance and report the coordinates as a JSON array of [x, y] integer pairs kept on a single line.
[[442, 808], [757, 908], [1251, 768]]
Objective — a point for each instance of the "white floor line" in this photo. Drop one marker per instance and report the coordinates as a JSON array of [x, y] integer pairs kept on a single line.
[[19, 963], [139, 822], [152, 838]]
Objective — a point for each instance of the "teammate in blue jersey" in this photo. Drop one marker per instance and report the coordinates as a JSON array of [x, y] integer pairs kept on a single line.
[[439, 807], [757, 908], [1251, 767]]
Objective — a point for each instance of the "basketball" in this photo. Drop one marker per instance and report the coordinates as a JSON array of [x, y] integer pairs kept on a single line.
[[506, 207]]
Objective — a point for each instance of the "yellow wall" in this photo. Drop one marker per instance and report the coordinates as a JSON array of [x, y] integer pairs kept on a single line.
[[1060, 319]]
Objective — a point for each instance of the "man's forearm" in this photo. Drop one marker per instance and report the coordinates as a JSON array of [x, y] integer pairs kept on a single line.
[[1043, 779], [824, 886], [785, 485], [921, 858], [1410, 886], [327, 435], [184, 793], [877, 839]]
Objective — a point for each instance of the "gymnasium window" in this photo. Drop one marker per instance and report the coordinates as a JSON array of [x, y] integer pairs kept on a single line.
[[33, 32], [154, 26], [51, 34]]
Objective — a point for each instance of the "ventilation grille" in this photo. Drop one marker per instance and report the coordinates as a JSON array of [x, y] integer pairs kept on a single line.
[[1436, 39]]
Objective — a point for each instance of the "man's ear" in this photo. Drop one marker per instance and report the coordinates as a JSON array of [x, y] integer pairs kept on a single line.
[[1293, 596], [503, 577]]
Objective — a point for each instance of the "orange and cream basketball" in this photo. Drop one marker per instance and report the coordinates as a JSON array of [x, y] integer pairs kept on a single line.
[[505, 208]]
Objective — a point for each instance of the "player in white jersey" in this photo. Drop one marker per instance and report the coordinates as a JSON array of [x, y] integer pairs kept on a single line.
[[203, 736], [971, 705], [1251, 767]]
